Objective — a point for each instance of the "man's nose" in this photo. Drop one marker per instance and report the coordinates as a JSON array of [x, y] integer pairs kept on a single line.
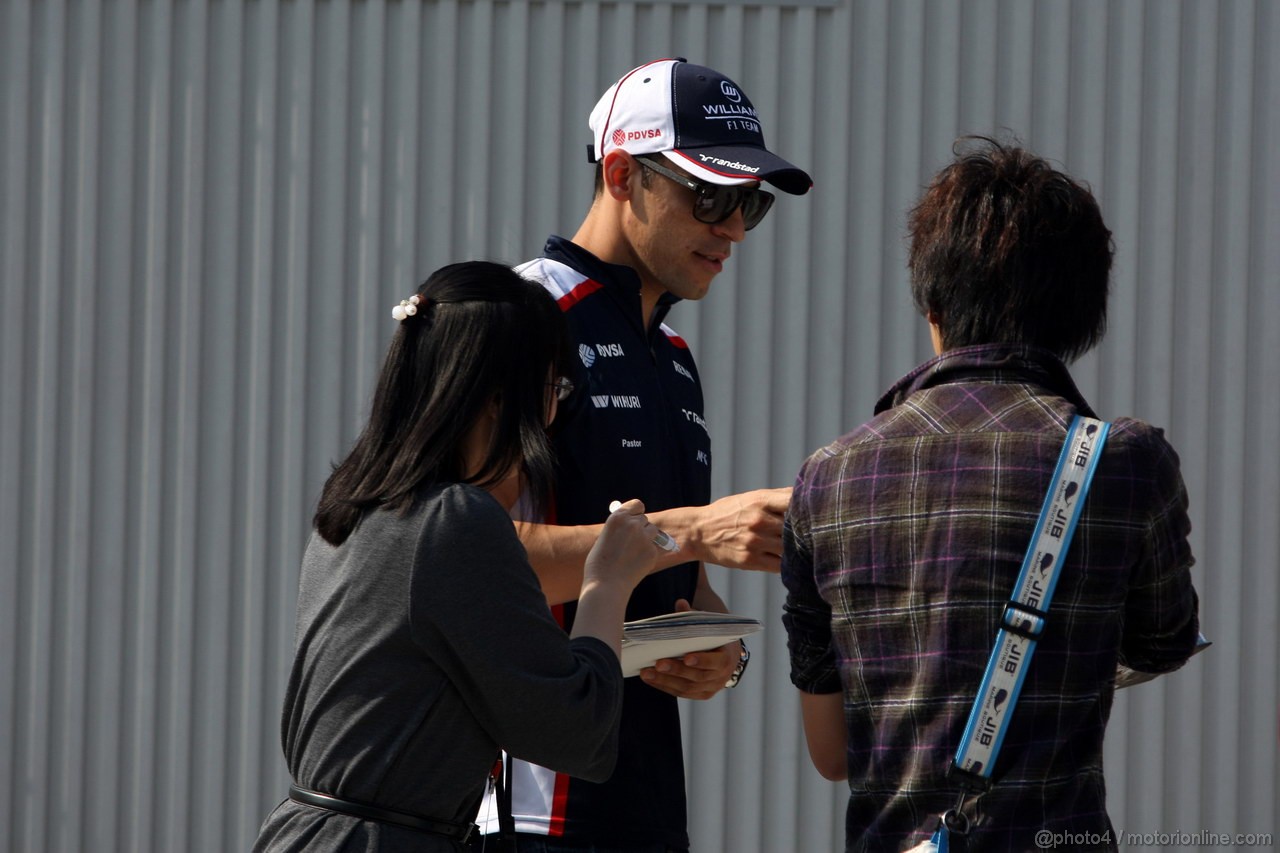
[[734, 228]]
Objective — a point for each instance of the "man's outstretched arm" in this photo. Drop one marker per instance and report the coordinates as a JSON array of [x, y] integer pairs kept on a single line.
[[742, 531]]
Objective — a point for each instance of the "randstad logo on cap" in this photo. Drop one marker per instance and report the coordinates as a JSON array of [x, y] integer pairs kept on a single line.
[[728, 164]]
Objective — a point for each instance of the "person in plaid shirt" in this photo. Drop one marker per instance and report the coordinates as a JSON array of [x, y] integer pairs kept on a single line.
[[904, 537]]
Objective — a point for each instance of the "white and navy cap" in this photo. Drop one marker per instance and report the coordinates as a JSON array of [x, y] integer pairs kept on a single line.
[[695, 116]]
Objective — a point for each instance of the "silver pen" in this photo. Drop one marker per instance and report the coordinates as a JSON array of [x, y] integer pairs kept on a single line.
[[663, 540]]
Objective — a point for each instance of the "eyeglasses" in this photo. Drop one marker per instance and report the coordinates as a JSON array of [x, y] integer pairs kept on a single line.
[[563, 388], [714, 203]]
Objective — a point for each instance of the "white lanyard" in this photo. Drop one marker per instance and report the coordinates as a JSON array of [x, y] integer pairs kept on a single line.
[[1025, 615]]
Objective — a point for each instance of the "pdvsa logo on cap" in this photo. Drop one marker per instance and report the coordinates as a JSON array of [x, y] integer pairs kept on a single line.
[[621, 137]]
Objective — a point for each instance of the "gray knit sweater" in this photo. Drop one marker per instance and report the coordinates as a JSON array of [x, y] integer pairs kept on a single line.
[[424, 645]]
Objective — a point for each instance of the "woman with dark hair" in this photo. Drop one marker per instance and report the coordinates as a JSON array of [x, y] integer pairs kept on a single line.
[[424, 642]]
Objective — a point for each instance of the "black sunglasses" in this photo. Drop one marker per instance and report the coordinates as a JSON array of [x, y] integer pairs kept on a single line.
[[713, 203]]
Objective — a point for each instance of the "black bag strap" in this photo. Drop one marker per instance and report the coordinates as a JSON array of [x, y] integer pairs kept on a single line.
[[506, 820], [365, 811]]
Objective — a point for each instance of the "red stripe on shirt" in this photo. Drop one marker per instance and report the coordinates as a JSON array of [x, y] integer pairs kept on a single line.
[[677, 340], [579, 293], [559, 800]]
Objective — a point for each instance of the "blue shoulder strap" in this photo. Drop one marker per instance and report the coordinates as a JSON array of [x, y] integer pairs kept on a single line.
[[1026, 612]]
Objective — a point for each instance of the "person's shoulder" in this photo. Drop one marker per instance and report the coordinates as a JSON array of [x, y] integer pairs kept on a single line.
[[836, 454], [444, 512], [560, 279], [457, 518], [672, 337], [878, 428], [466, 544], [1146, 448], [1139, 437], [465, 501]]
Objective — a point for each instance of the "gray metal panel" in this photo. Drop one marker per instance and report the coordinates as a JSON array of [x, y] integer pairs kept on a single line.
[[206, 210]]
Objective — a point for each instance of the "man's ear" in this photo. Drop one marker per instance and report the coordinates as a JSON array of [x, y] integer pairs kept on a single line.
[[619, 170]]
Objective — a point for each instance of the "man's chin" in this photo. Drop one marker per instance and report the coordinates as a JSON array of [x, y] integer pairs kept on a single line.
[[694, 290]]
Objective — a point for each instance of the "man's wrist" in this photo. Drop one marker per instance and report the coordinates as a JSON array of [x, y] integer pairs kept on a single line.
[[676, 522]]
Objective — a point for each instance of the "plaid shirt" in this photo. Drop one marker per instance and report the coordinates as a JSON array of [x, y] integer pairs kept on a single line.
[[903, 541]]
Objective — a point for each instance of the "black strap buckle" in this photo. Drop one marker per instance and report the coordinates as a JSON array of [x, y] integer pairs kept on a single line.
[[968, 782], [1023, 620]]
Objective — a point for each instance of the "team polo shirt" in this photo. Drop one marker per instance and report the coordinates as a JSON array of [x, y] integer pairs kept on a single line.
[[632, 428]]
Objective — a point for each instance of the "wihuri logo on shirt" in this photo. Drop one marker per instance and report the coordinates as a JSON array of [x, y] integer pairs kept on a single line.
[[617, 401]]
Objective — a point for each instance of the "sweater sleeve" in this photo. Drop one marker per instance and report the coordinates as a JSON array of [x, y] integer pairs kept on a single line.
[[477, 609], [1161, 611], [805, 614]]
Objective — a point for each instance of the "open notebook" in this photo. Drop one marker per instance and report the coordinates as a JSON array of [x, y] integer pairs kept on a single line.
[[671, 635]]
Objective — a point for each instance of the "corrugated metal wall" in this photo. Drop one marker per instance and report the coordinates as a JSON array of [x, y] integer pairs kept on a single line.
[[207, 208]]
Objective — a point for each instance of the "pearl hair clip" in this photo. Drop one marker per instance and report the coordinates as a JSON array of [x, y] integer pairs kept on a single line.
[[406, 308]]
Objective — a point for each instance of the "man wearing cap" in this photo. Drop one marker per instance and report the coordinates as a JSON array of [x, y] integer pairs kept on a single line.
[[680, 159]]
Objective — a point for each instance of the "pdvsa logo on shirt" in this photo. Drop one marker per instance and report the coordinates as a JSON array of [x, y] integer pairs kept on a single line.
[[589, 354]]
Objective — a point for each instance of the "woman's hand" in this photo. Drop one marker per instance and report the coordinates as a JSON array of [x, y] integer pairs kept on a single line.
[[625, 552], [627, 549]]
